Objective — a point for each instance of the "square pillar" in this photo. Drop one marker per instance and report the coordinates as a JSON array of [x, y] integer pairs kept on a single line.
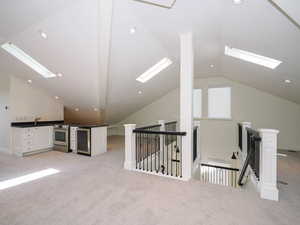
[[268, 164], [130, 160], [186, 101]]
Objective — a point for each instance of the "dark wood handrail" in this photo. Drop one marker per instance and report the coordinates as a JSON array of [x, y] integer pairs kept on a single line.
[[149, 127], [250, 154], [159, 132], [171, 122]]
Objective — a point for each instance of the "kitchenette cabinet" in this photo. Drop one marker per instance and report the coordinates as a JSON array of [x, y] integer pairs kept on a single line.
[[91, 139], [31, 139]]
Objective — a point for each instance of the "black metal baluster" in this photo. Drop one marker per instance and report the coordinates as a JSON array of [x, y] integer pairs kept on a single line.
[[159, 152], [172, 150], [167, 154], [144, 150], [180, 156], [155, 150], [147, 150], [163, 164], [136, 150], [176, 157], [140, 149], [151, 150]]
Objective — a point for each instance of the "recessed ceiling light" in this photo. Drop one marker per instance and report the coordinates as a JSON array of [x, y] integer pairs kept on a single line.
[[237, 2], [132, 30], [252, 57], [56, 97], [28, 60], [29, 81], [287, 81], [212, 66], [43, 34], [59, 75], [154, 70], [140, 92]]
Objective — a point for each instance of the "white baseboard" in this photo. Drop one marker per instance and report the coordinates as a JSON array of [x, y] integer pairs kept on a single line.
[[129, 165], [269, 192], [5, 150]]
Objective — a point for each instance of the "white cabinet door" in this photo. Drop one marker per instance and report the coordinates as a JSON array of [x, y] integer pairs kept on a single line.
[[42, 138]]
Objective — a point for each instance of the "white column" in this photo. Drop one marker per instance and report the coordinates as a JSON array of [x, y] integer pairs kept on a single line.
[[186, 101], [130, 160], [245, 125], [268, 164]]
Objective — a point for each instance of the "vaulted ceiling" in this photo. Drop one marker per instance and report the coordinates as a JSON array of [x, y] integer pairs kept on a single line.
[[91, 45]]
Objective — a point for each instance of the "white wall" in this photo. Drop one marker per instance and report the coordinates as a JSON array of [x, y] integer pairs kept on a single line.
[[4, 113], [165, 108], [28, 102], [219, 137]]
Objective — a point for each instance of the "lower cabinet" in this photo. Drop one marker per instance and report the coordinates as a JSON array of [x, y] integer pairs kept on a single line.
[[26, 140]]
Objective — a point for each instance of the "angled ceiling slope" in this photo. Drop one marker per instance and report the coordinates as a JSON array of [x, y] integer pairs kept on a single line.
[[289, 8], [73, 47]]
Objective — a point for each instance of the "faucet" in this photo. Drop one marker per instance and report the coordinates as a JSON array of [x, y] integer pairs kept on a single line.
[[36, 120]]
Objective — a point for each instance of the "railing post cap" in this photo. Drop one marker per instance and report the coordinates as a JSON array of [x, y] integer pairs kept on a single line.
[[246, 123], [161, 121], [197, 123], [129, 125], [263, 130]]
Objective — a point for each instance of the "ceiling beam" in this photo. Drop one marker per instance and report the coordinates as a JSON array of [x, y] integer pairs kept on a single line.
[[104, 48], [290, 9]]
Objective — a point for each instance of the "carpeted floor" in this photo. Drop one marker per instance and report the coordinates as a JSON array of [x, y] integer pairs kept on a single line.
[[96, 191]]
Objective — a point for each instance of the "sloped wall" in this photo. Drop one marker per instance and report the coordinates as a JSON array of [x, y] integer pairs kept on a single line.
[[219, 137], [83, 116], [28, 102]]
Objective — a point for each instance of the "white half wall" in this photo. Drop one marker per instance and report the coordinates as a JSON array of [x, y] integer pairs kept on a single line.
[[219, 137], [28, 102]]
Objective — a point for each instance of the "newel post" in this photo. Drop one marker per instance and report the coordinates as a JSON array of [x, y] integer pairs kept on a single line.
[[161, 139], [268, 164], [130, 160]]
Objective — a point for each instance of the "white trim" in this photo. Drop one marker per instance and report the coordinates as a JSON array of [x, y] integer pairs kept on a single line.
[[159, 174], [5, 150]]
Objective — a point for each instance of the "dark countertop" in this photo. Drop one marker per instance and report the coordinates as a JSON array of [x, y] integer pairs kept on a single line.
[[39, 124], [91, 126]]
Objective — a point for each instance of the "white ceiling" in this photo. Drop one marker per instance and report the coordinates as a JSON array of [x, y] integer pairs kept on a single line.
[[72, 47]]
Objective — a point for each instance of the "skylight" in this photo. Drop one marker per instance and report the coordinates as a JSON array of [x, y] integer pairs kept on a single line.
[[161, 3], [28, 60], [252, 57], [27, 178], [154, 70]]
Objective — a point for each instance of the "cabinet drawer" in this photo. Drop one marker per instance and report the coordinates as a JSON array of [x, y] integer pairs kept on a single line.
[[27, 136], [28, 143], [28, 149], [28, 132]]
